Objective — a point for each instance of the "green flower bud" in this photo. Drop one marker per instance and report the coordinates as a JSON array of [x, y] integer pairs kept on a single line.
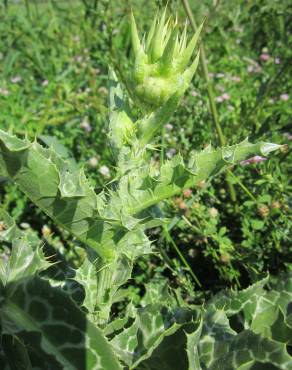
[[162, 62]]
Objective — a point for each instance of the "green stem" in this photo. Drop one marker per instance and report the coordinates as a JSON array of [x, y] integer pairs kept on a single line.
[[162, 146], [244, 188], [211, 97], [27, 9], [105, 275], [108, 285], [184, 261], [197, 230]]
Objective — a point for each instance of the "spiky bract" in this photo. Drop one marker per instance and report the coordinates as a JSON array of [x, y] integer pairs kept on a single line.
[[162, 62]]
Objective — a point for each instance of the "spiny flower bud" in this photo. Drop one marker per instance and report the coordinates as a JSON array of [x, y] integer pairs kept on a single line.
[[161, 62]]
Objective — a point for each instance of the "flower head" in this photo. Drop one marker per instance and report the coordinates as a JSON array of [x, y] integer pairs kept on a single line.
[[104, 171], [4, 91], [219, 99], [287, 135], [263, 210], [93, 162], [85, 125], [162, 60], [213, 212], [252, 160], [226, 96], [284, 97], [264, 57], [187, 193], [16, 79]]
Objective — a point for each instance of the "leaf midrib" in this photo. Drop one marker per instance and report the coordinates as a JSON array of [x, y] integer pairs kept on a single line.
[[22, 319]]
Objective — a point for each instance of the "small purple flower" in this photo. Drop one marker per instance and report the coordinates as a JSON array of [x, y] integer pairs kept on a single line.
[[287, 135], [16, 79], [225, 96], [168, 127], [277, 61], [45, 83], [170, 153], [264, 57], [252, 160], [235, 78], [86, 125], [78, 58], [4, 92], [284, 97], [219, 99]]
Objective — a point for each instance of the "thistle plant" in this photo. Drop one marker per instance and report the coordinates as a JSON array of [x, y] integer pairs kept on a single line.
[[112, 225]]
